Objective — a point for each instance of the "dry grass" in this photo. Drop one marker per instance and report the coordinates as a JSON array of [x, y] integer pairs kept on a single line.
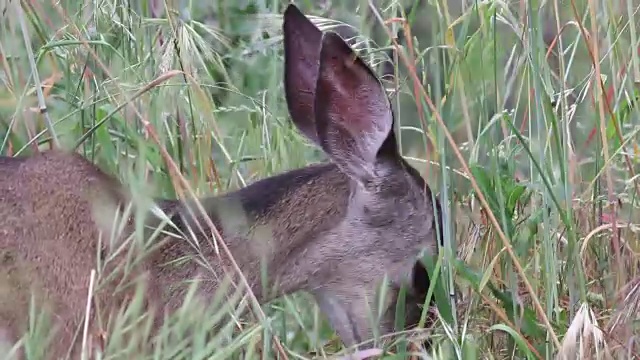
[[540, 196]]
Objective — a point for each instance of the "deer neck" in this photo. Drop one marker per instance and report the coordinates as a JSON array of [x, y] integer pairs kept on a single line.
[[264, 226]]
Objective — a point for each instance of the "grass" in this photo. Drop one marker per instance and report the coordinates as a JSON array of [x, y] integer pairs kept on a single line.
[[529, 138]]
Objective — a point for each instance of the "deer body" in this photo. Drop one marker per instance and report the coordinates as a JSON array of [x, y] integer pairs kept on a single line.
[[334, 229]]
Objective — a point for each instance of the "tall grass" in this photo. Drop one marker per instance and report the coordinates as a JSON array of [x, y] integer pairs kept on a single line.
[[521, 114]]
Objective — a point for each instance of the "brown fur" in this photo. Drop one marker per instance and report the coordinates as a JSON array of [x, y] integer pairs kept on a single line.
[[48, 237], [334, 229]]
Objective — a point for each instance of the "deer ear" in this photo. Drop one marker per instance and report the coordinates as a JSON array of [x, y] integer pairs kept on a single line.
[[353, 114], [302, 42]]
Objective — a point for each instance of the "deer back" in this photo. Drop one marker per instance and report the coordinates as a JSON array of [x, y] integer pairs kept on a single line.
[[52, 208]]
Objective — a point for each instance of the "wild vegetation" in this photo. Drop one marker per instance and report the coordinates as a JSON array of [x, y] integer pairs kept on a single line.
[[519, 114]]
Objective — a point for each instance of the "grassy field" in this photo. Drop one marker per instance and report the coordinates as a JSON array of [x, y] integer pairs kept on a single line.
[[529, 138]]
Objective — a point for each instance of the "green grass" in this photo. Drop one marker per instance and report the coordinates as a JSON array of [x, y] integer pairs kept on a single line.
[[531, 180]]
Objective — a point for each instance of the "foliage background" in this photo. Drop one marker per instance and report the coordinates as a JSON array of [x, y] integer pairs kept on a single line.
[[528, 131]]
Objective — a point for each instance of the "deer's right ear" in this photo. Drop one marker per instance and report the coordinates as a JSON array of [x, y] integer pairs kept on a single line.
[[302, 42], [353, 114]]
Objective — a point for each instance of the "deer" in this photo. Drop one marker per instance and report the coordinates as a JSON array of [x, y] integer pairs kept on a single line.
[[334, 229]]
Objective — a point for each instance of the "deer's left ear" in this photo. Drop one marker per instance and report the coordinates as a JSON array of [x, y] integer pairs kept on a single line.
[[302, 42]]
